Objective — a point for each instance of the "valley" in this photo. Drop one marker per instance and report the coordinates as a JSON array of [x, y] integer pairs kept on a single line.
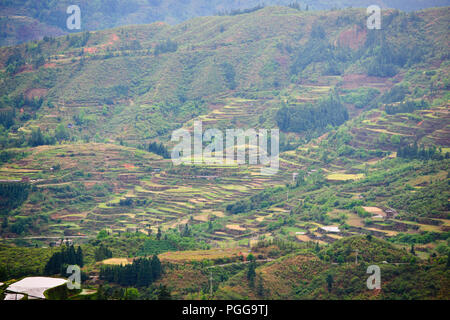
[[85, 131]]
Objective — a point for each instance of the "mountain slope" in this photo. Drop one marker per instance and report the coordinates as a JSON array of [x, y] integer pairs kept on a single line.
[[206, 59], [346, 99], [305, 276], [26, 20]]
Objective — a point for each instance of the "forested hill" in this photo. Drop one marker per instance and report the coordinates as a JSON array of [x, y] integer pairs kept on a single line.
[[24, 20], [166, 75]]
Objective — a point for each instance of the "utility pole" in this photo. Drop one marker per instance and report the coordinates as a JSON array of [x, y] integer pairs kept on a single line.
[[356, 257]]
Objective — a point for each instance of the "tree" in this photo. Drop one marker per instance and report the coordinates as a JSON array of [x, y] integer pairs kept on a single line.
[[330, 281], [260, 289], [131, 294], [251, 274], [71, 256], [159, 149], [102, 253], [101, 294], [37, 138], [145, 273], [317, 248], [156, 267], [186, 231], [61, 132], [39, 62], [79, 257], [102, 234], [166, 46], [164, 293], [158, 235], [413, 252], [229, 74]]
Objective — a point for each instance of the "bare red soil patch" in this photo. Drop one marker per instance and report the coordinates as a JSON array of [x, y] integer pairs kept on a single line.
[[128, 166], [352, 38], [49, 65]]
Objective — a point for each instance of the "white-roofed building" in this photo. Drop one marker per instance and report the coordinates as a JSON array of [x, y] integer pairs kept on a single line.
[[333, 229], [33, 286]]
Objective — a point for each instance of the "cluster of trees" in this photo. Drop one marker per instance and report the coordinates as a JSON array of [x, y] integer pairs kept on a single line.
[[12, 195], [37, 138], [38, 62], [317, 49], [385, 57], [363, 97], [251, 274], [309, 117], [35, 103], [7, 117], [415, 151], [153, 292], [141, 273], [76, 41], [159, 149], [406, 107], [239, 11], [166, 46], [229, 74], [102, 253], [361, 212], [20, 225], [20, 100], [430, 201], [14, 62], [423, 237], [294, 5], [7, 155], [9, 105], [260, 200], [370, 249], [59, 261]]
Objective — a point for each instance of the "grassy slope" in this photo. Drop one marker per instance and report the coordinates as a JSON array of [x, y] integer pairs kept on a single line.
[[24, 21], [303, 276]]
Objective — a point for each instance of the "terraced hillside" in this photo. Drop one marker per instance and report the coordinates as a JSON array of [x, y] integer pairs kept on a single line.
[[86, 122]]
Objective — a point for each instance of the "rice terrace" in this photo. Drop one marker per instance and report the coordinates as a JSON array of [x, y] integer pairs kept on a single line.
[[216, 150]]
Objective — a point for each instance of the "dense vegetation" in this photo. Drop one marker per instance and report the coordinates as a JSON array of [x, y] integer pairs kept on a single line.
[[58, 262], [308, 117], [12, 195], [141, 272], [98, 14]]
